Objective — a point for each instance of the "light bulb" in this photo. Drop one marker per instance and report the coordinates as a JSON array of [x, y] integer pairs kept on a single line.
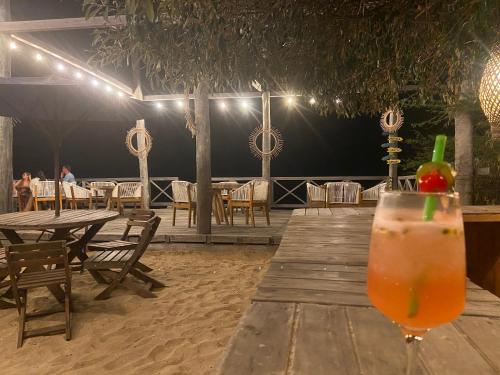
[[95, 82], [78, 75], [180, 103], [159, 105], [60, 67], [38, 57], [312, 101], [223, 106], [12, 45]]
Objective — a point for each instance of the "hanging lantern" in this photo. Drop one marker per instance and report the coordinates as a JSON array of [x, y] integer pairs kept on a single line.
[[489, 91]]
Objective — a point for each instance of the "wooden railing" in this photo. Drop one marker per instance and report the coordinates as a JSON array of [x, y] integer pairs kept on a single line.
[[286, 192]]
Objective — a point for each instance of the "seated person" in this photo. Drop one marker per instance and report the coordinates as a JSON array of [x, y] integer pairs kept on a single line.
[[66, 174]]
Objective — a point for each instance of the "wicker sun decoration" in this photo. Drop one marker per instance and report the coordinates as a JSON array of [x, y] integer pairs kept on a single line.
[[489, 91], [390, 121], [148, 142], [277, 139]]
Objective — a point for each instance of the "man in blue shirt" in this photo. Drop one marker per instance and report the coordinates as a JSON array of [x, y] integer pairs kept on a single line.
[[66, 174]]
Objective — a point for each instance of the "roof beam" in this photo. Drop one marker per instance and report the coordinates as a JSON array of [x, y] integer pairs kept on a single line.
[[222, 95], [61, 24], [70, 60]]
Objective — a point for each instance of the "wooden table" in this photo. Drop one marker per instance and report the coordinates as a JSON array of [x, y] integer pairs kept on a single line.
[[220, 212], [61, 228], [311, 313], [482, 236]]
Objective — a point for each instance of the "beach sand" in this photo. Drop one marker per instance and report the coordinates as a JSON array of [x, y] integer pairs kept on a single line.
[[183, 331]]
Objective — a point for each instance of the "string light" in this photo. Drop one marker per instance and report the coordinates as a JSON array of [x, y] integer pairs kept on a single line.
[[120, 94], [38, 57], [338, 101], [312, 101], [180, 103], [78, 75], [159, 105], [108, 88], [244, 105], [223, 106], [95, 82], [60, 67], [290, 101], [12, 45]]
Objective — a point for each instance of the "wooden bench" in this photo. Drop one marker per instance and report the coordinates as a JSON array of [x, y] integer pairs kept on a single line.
[[311, 313]]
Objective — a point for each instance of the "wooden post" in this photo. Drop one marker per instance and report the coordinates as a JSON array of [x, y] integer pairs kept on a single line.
[[141, 139], [203, 160], [464, 156], [6, 130], [266, 139], [56, 149]]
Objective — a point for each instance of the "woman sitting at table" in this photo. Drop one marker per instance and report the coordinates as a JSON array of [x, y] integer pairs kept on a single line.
[[24, 192]]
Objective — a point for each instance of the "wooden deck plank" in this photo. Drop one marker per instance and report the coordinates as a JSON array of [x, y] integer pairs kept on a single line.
[[262, 343], [320, 267]]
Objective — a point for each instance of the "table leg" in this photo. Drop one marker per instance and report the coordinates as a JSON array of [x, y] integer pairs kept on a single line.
[[77, 248], [215, 209], [12, 236]]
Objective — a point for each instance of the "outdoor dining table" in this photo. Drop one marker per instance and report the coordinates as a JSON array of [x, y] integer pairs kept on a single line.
[[220, 212], [61, 227]]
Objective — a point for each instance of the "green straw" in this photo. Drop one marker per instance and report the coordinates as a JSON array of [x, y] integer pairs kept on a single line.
[[437, 156]]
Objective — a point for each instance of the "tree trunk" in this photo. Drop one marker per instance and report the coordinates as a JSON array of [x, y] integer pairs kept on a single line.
[[464, 156], [6, 130], [203, 160]]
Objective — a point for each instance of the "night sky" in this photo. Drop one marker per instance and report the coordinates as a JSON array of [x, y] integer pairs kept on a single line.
[[314, 145]]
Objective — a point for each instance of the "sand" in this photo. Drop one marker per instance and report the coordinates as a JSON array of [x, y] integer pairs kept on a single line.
[[183, 331]]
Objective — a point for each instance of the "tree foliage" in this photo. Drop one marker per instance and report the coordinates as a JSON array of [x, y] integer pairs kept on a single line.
[[366, 53]]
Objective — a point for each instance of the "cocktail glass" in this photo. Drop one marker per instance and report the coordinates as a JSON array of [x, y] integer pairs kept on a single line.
[[416, 267]]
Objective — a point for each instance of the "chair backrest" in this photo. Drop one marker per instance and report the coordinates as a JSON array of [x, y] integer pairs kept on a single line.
[[43, 189], [128, 190], [373, 193], [243, 193], [74, 191], [315, 193], [135, 219], [334, 192], [260, 190], [149, 229], [343, 192], [352, 192], [183, 191]]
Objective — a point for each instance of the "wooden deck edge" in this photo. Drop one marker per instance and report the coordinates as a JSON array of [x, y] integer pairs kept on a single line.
[[179, 238]]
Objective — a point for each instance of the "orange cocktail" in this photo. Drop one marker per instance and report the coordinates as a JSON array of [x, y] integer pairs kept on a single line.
[[416, 273]]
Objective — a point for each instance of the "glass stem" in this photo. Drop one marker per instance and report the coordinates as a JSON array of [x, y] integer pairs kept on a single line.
[[412, 345]]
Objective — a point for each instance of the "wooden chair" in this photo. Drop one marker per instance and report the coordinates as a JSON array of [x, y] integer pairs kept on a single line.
[[4, 273], [253, 194], [136, 219], [76, 195], [316, 196], [38, 261], [44, 192], [343, 194], [112, 267], [127, 192], [184, 197]]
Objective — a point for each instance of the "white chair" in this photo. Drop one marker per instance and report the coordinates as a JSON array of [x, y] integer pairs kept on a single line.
[[44, 192], [343, 193], [76, 194], [184, 197], [316, 196], [127, 192], [373, 193], [253, 194]]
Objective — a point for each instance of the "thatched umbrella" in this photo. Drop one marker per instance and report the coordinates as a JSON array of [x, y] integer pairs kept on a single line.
[[58, 105]]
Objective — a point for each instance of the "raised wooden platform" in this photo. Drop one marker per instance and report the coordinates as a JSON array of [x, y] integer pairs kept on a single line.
[[240, 233], [311, 313]]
